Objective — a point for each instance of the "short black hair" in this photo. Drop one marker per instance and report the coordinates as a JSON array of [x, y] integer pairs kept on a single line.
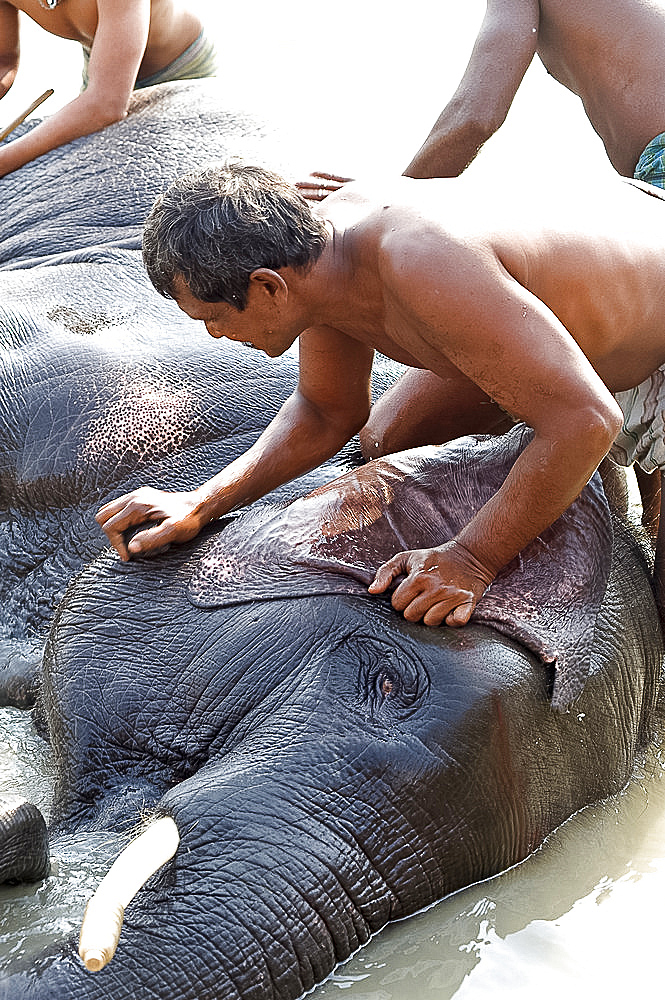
[[214, 227]]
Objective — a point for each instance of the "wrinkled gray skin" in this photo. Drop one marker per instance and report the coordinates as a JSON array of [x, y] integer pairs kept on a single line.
[[330, 767], [106, 385]]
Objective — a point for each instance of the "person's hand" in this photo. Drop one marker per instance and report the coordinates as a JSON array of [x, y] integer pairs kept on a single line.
[[175, 516], [442, 584], [319, 185]]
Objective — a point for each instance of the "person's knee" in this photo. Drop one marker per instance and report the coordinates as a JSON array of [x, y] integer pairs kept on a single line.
[[372, 437], [387, 431]]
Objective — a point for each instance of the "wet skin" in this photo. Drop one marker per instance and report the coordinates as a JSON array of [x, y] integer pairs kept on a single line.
[[545, 312], [127, 40], [608, 52]]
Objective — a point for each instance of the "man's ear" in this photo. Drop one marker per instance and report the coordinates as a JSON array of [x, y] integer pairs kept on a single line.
[[269, 282]]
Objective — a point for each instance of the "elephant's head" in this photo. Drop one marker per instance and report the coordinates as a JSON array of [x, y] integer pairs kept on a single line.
[[328, 766]]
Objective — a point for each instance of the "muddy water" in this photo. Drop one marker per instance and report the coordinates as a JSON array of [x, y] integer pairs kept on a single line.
[[583, 916]]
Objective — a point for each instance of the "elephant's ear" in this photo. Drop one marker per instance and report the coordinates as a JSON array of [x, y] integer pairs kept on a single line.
[[333, 540]]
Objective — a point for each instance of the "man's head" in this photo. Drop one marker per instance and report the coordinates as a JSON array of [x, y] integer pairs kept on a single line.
[[213, 228]]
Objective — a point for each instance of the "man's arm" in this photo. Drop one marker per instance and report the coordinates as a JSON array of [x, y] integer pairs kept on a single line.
[[501, 54], [330, 404], [115, 57], [512, 346], [9, 46]]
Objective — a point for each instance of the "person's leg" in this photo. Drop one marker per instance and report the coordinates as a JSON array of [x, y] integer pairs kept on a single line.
[[421, 408], [650, 169], [650, 494]]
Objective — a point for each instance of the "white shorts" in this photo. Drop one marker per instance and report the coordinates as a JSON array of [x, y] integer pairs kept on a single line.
[[642, 437]]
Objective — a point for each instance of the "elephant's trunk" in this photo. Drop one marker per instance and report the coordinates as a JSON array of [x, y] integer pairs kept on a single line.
[[24, 853], [105, 911]]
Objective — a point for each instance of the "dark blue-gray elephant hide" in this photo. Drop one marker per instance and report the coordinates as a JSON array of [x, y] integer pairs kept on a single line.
[[333, 540], [85, 200], [330, 767], [104, 385]]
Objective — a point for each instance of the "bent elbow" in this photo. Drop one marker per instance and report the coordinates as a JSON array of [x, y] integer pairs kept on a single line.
[[601, 426], [110, 115], [483, 125], [479, 120], [101, 114], [613, 422]]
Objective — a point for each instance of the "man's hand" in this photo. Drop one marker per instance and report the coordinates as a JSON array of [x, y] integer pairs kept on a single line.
[[319, 185], [176, 516], [442, 584]]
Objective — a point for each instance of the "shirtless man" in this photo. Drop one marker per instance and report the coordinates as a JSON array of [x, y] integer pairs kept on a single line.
[[126, 44], [608, 52], [542, 311]]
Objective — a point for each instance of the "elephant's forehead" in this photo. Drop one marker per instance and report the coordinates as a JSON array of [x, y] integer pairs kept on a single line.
[[333, 541]]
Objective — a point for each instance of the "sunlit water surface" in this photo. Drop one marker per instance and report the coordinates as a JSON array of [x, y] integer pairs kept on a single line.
[[357, 86]]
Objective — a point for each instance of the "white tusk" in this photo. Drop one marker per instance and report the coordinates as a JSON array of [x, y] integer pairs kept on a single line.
[[102, 920]]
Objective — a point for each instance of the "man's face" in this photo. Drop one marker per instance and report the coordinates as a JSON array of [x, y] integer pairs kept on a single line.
[[257, 325]]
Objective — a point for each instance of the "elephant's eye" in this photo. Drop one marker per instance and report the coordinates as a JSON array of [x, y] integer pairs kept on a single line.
[[394, 687], [386, 685], [392, 680]]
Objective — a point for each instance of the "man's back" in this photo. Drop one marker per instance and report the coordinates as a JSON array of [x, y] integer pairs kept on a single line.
[[595, 255]]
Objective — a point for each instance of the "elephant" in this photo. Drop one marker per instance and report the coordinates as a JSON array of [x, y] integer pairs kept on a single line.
[[330, 767], [105, 384], [90, 352]]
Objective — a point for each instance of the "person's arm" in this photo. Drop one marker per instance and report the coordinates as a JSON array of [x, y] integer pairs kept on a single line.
[[330, 404], [115, 57], [501, 54], [512, 346], [9, 46]]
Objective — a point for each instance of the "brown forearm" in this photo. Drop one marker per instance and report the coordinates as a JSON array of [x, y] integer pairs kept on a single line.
[[542, 484], [501, 54], [448, 149], [79, 118], [297, 440]]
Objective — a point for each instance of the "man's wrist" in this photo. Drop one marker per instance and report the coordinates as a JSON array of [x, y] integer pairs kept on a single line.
[[208, 506]]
